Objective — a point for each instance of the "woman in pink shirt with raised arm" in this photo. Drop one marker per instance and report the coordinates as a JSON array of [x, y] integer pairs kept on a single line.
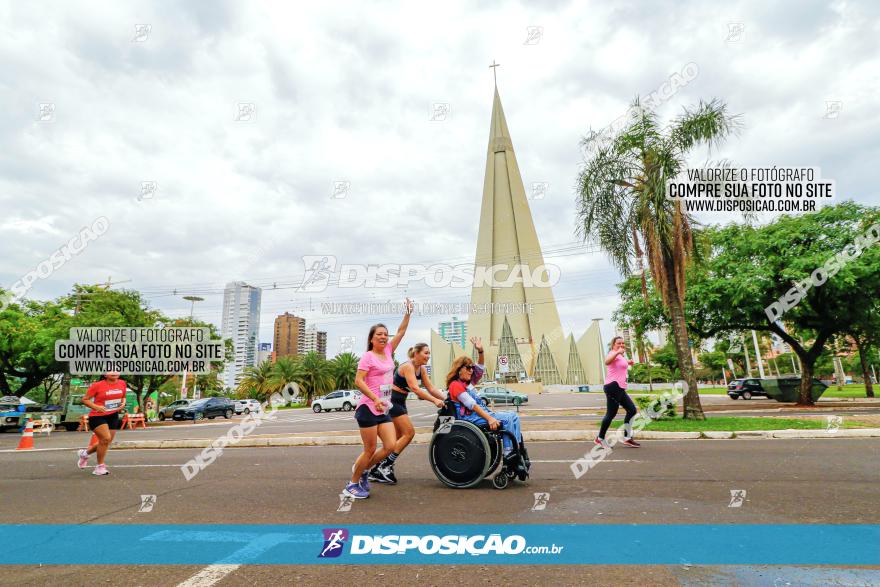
[[616, 366], [374, 380]]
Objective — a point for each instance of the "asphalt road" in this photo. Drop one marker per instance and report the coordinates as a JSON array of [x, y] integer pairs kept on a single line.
[[665, 482]]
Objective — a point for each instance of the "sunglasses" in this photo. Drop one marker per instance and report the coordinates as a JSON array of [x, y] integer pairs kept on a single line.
[[468, 367]]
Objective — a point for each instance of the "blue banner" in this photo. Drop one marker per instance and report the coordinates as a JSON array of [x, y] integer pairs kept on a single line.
[[495, 544]]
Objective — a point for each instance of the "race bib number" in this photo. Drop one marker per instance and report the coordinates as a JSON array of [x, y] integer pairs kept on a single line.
[[112, 404], [385, 389]]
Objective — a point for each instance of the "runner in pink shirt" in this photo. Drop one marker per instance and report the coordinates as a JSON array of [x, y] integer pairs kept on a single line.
[[374, 380], [616, 367]]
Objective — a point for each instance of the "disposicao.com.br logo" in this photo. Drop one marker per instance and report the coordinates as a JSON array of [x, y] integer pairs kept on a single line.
[[334, 541], [452, 544]]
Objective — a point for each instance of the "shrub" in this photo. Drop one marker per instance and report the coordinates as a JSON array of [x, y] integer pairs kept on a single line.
[[651, 402]]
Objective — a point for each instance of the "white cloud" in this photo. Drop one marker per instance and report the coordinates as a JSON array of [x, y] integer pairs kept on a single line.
[[344, 93]]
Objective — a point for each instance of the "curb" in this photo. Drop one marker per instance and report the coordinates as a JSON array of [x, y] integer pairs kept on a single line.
[[754, 433], [717, 435], [528, 435]]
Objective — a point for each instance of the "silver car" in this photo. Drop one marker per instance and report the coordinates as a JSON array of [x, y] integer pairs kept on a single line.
[[168, 411]]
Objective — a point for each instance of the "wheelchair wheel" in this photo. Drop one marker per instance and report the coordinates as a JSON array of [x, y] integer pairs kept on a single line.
[[500, 480], [495, 450], [461, 457], [527, 465]]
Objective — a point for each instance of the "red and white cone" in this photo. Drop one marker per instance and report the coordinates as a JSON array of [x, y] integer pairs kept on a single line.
[[27, 437]]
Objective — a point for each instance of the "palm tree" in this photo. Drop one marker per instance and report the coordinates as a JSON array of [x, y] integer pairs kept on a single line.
[[257, 382], [344, 370], [623, 206], [316, 376], [285, 371]]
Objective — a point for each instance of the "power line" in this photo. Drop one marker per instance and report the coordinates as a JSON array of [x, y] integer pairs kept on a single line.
[[277, 284]]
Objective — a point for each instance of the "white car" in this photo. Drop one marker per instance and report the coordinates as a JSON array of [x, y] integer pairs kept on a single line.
[[246, 406], [338, 400]]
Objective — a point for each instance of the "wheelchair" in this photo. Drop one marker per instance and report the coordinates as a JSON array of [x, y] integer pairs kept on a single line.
[[463, 454]]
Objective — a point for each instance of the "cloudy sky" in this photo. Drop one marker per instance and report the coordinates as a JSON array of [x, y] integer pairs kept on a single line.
[[103, 98]]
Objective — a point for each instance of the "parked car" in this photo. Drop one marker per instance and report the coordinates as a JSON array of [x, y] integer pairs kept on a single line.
[[10, 413], [168, 411], [338, 400], [246, 406], [68, 416], [745, 388], [502, 395], [210, 407]]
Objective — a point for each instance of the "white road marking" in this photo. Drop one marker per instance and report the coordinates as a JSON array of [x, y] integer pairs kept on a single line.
[[38, 449], [209, 576], [572, 460], [135, 466], [315, 418]]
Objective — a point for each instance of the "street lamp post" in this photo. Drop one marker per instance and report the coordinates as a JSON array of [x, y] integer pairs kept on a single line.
[[192, 300]]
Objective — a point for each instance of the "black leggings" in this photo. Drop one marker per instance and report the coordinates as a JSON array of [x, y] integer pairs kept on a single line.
[[616, 396]]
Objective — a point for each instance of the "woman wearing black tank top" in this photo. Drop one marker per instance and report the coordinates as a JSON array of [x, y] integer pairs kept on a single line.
[[409, 377]]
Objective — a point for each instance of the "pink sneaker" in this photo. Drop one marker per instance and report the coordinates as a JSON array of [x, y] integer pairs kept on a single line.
[[83, 461], [101, 470]]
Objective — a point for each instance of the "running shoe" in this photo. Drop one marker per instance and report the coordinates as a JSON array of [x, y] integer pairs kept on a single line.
[[388, 472], [378, 475], [601, 442], [83, 461], [356, 491], [101, 470], [365, 482], [630, 442]]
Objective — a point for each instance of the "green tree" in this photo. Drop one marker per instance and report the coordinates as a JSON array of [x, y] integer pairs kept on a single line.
[[645, 373], [258, 382], [667, 356], [345, 369], [209, 384], [752, 267], [96, 306], [623, 206], [28, 331], [787, 363], [865, 332], [285, 371], [317, 376], [713, 361]]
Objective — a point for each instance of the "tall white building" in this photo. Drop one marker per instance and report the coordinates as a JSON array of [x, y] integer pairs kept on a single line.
[[241, 323], [314, 340], [454, 331]]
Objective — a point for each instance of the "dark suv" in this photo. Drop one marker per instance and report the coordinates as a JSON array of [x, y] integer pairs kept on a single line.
[[745, 388], [210, 407]]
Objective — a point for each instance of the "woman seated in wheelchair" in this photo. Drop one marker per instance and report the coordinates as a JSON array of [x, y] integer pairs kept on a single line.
[[470, 407]]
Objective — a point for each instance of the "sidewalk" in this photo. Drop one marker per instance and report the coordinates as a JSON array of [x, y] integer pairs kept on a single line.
[[530, 436]]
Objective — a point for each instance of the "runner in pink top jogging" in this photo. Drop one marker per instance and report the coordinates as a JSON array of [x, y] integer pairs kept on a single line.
[[616, 367], [374, 380]]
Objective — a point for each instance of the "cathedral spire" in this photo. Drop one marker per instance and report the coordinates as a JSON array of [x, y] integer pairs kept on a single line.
[[507, 240]]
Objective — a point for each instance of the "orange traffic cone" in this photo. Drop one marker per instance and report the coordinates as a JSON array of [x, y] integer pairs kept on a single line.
[[27, 437]]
